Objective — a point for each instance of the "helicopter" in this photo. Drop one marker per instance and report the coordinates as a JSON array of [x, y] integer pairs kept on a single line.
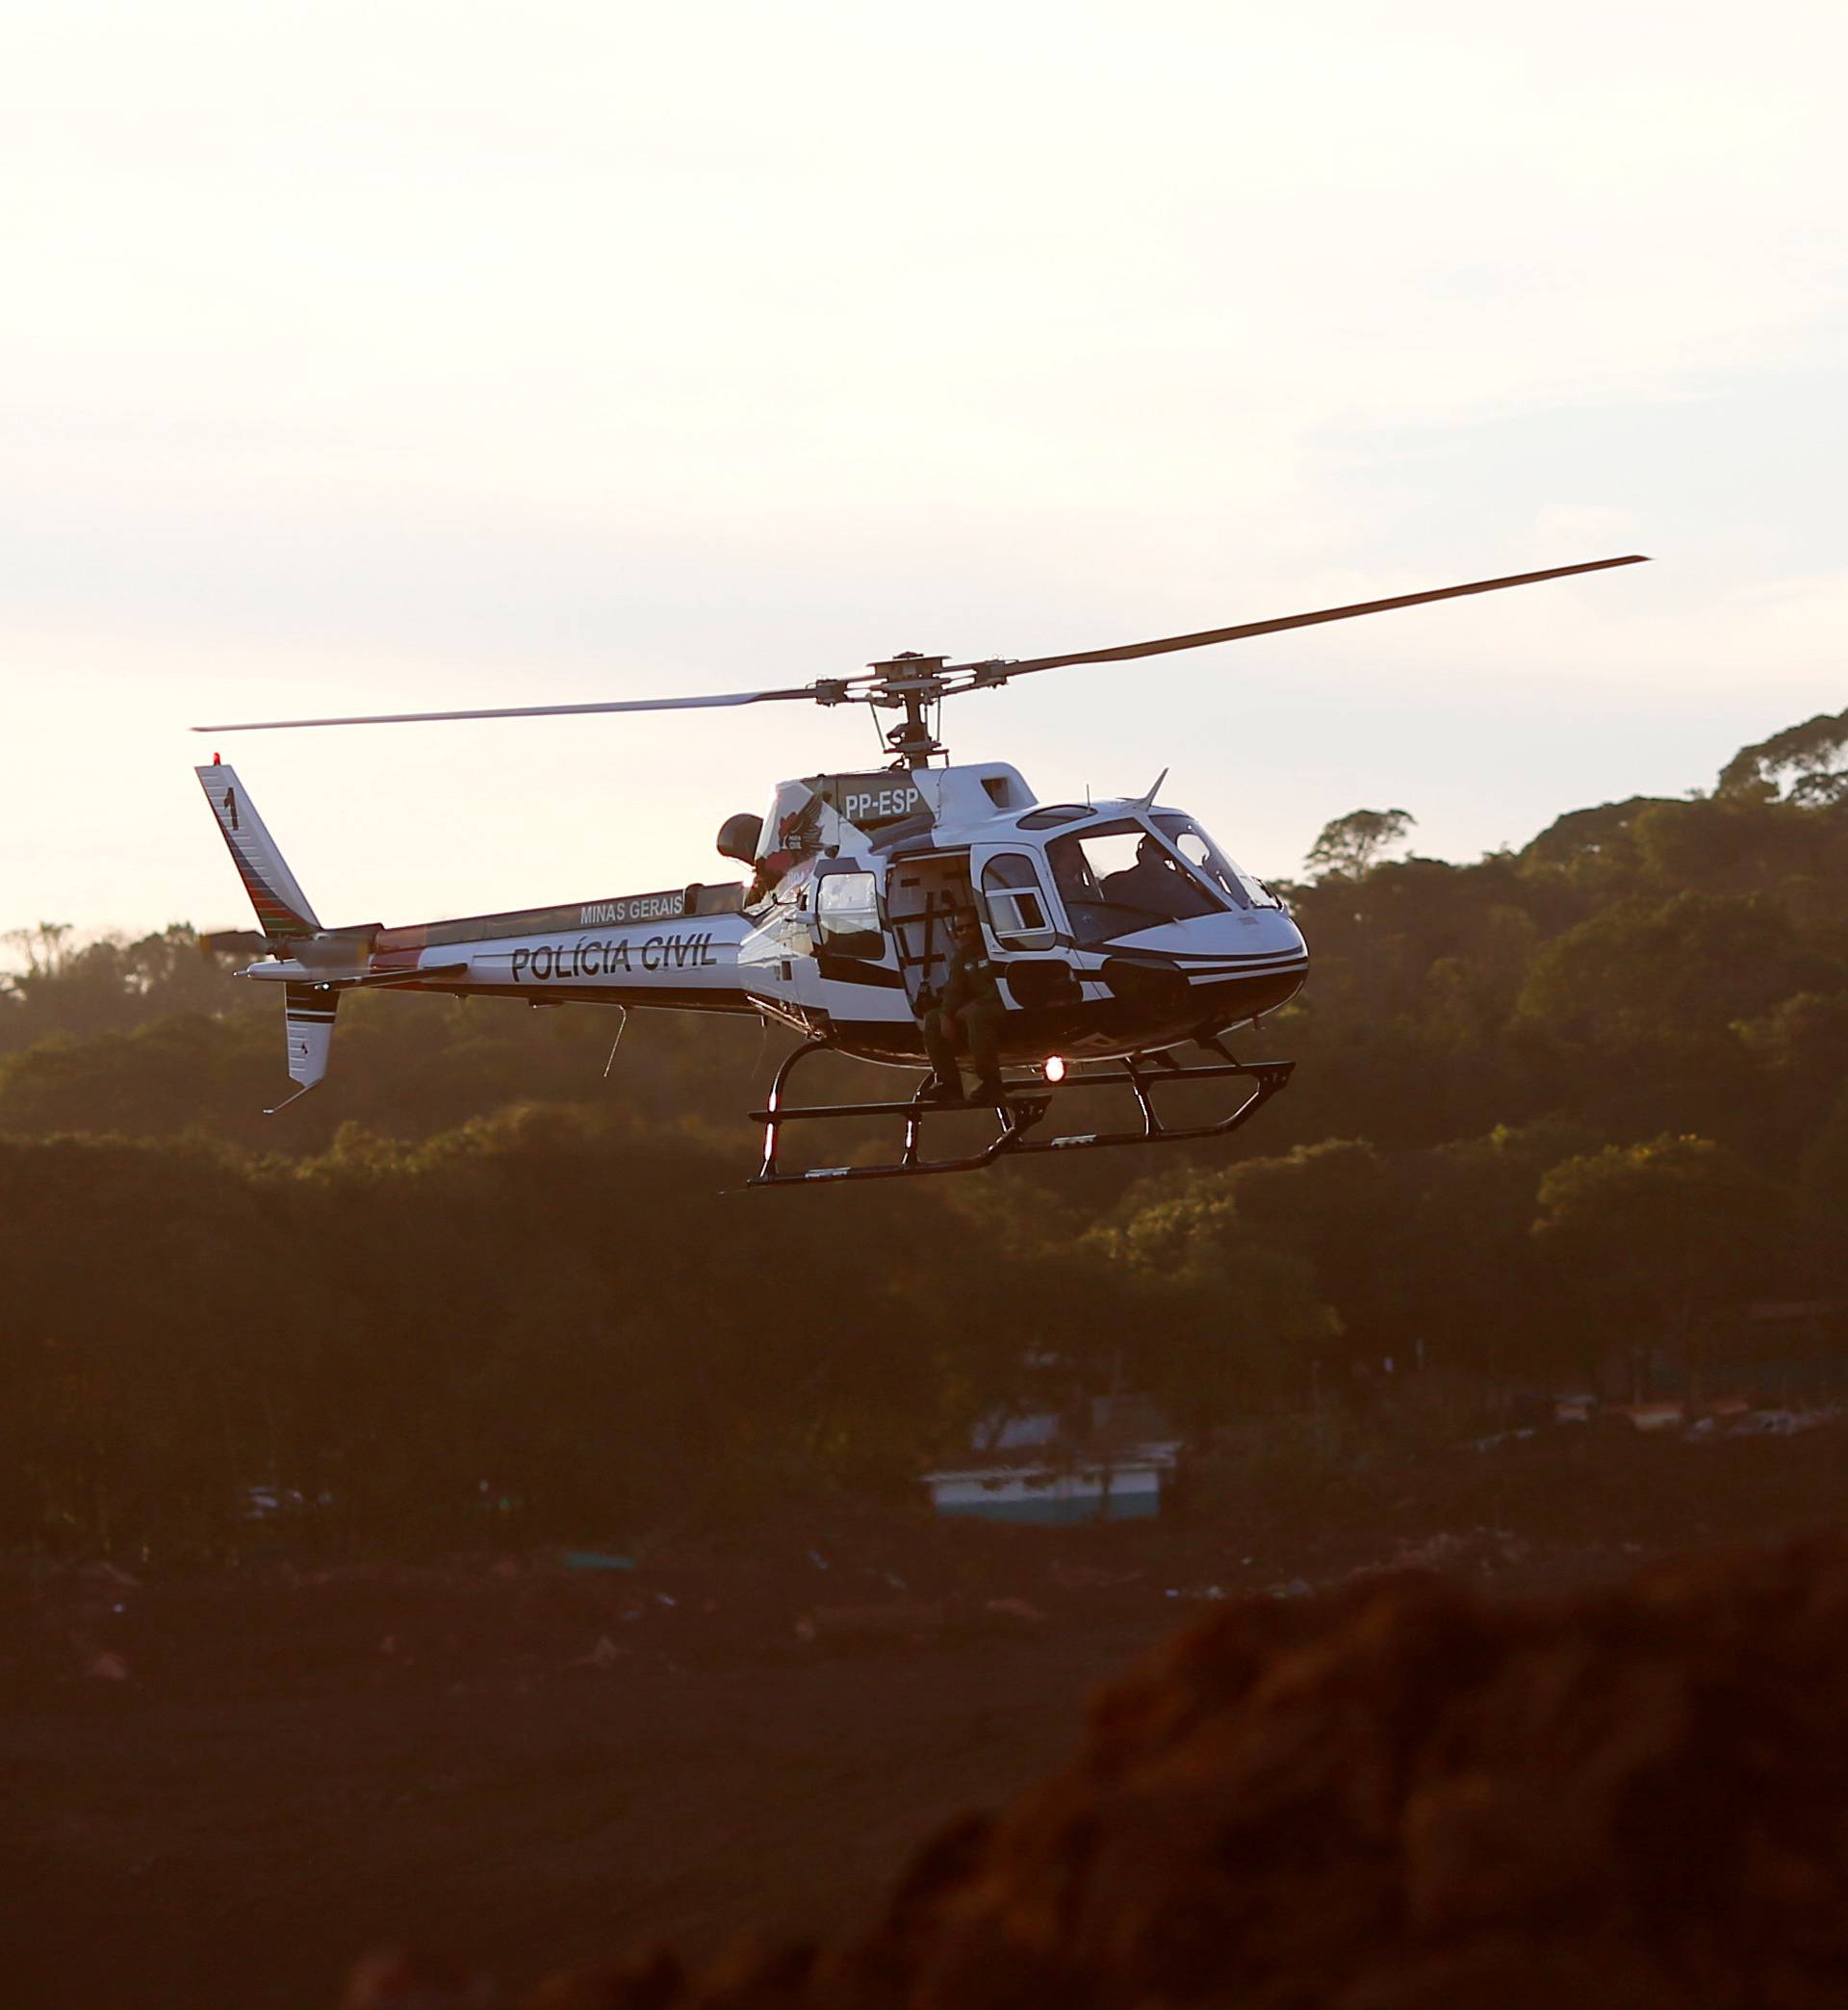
[[1119, 930]]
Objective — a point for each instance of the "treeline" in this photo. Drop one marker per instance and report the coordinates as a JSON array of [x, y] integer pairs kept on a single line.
[[1647, 965], [1569, 1112], [545, 1326]]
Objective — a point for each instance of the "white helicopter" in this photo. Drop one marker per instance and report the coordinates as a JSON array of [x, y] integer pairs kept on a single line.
[[1120, 929]]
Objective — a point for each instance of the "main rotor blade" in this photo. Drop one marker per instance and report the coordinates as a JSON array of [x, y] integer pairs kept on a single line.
[[1206, 636], [518, 712]]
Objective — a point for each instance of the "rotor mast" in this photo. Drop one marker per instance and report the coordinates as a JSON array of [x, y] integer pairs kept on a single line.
[[913, 684]]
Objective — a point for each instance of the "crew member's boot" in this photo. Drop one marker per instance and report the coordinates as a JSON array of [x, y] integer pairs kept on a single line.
[[985, 1049], [947, 1088]]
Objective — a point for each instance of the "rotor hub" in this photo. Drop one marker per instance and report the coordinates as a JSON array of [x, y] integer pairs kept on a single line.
[[895, 678], [913, 683]]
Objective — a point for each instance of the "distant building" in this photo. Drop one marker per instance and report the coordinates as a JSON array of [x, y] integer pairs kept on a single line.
[[1108, 1460], [1013, 1487]]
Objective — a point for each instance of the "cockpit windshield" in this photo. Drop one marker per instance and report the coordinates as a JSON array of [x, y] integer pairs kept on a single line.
[[1207, 860], [1118, 877]]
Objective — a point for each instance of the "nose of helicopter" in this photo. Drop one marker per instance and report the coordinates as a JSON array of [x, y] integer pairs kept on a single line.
[[1247, 934], [1239, 964]]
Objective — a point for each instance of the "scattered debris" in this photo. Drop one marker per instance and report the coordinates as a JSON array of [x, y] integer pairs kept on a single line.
[[1781, 1422], [1090, 1577], [1700, 1423], [105, 1573], [1495, 1439], [1448, 1551], [908, 1619]]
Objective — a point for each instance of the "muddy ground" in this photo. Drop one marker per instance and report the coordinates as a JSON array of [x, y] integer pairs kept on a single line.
[[216, 1787]]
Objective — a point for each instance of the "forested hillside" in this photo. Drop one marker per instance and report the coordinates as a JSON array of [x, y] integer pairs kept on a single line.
[[1580, 1099]]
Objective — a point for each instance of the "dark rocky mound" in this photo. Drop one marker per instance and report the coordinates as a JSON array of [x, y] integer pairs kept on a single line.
[[1403, 1796]]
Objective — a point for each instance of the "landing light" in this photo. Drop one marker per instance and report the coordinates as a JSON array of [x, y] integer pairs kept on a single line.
[[1055, 1069]]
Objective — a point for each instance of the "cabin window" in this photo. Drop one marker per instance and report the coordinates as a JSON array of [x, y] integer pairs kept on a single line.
[[1015, 903], [847, 914]]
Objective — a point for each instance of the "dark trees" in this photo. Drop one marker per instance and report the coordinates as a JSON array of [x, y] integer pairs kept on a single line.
[[560, 1300], [1648, 1242], [1349, 846]]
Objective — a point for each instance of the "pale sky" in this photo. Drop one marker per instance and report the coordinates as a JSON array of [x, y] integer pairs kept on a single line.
[[400, 356]]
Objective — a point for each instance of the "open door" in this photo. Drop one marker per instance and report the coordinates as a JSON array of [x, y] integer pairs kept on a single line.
[[922, 891]]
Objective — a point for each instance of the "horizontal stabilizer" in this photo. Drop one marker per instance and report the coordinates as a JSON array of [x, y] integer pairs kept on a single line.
[[237, 942], [389, 980]]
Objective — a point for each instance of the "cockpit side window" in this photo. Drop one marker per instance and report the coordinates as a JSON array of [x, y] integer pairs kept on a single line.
[[847, 914], [1205, 857]]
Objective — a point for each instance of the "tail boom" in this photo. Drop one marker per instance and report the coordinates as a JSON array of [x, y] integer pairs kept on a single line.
[[677, 949]]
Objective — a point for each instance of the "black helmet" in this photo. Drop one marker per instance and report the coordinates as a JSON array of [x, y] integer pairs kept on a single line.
[[738, 836]]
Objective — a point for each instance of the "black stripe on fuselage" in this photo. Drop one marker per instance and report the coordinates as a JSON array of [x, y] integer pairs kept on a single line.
[[1033, 1033], [849, 969], [676, 999]]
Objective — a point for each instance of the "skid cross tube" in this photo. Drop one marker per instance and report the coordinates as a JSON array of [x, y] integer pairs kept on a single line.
[[1017, 1118]]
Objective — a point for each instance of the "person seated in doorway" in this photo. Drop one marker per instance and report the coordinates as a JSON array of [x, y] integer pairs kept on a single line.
[[968, 1012]]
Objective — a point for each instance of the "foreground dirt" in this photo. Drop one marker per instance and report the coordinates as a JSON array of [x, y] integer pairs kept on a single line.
[[1407, 1796], [216, 1789]]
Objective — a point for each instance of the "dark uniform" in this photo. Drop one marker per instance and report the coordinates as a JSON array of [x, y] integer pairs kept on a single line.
[[973, 995], [1155, 888]]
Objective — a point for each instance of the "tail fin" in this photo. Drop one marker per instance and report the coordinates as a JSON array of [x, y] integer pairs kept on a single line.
[[282, 906], [284, 914]]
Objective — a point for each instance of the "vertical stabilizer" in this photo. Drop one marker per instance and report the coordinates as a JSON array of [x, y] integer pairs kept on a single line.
[[282, 906]]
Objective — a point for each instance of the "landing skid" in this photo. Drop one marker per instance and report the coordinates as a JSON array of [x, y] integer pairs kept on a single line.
[[1017, 1118]]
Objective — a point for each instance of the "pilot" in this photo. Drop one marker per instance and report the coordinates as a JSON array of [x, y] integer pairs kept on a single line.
[[968, 1013], [1156, 886]]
